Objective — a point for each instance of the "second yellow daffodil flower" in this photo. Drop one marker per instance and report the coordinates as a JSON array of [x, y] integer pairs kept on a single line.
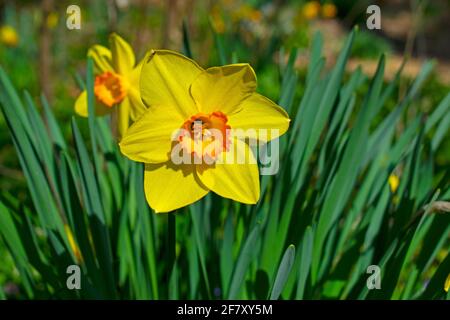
[[116, 86]]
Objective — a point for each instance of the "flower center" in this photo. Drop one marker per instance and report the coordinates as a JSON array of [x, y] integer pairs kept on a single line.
[[109, 88], [205, 136]]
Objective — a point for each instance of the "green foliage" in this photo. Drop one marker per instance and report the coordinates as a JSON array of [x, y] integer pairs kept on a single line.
[[325, 217], [369, 45]]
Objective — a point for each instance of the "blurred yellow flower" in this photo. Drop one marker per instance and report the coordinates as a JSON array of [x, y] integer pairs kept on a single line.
[[311, 10], [246, 12], [192, 111], [394, 181], [116, 85], [217, 20], [9, 36], [218, 24], [52, 20], [255, 15], [329, 10], [447, 283], [73, 245]]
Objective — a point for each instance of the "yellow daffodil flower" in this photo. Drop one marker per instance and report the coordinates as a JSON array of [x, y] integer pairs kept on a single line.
[[52, 20], [185, 105], [116, 85], [394, 182], [246, 12], [217, 21], [329, 10], [8, 36], [311, 10]]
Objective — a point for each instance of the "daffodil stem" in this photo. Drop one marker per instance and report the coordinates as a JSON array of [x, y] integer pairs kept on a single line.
[[171, 237], [114, 124]]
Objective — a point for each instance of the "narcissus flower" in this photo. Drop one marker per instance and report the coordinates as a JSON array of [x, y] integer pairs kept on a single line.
[[116, 86], [394, 182], [329, 10], [311, 10], [52, 20], [8, 36], [196, 112]]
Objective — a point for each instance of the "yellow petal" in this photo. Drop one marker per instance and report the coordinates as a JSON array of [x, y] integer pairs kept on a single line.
[[165, 80], [394, 182], [122, 55], [149, 138], [102, 58], [169, 187], [135, 76], [123, 116], [223, 88], [81, 106], [137, 107], [233, 179], [261, 118]]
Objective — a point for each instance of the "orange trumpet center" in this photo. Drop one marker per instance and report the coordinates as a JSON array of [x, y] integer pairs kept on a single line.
[[109, 88], [205, 136]]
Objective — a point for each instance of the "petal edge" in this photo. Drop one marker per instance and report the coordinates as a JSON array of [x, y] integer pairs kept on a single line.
[[163, 183]]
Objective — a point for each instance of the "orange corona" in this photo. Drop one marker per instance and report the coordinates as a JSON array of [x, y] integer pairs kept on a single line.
[[205, 135], [109, 88]]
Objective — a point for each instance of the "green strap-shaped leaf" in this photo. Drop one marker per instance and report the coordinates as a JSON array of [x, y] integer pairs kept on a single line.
[[283, 272], [245, 257]]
